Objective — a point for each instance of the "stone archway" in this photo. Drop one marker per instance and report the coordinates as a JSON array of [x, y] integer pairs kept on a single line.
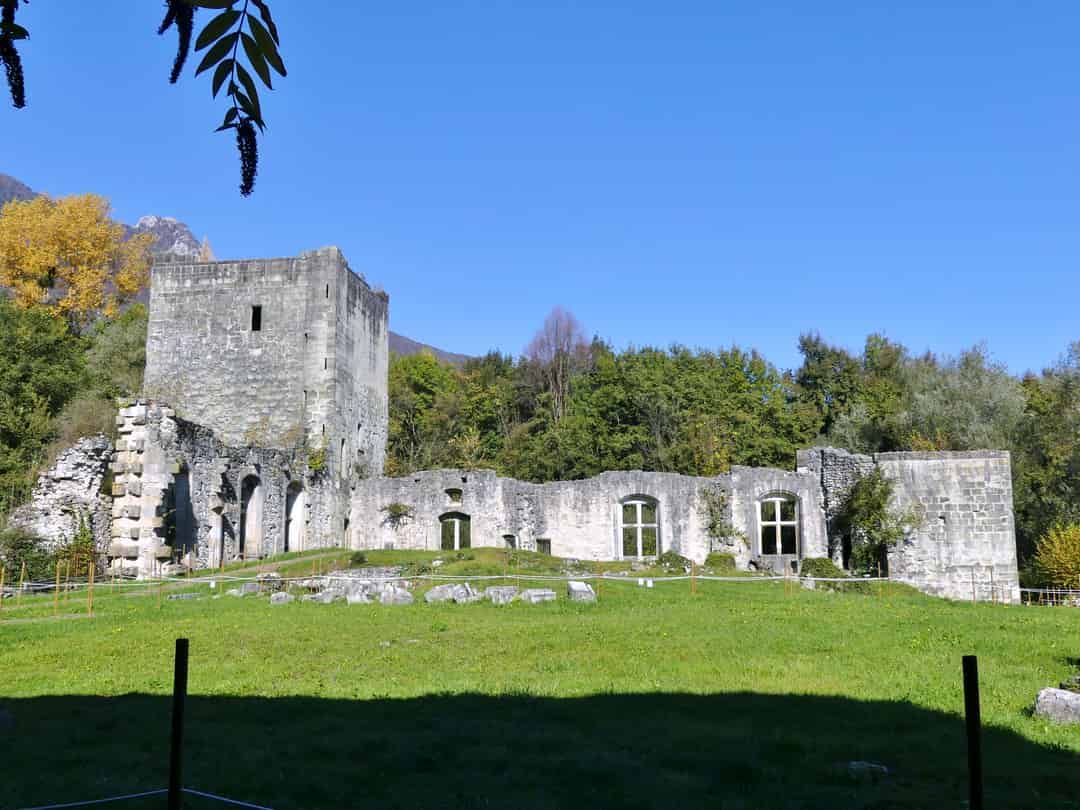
[[295, 519], [251, 517]]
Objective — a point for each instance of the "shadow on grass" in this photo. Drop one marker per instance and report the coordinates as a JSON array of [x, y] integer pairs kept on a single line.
[[735, 750]]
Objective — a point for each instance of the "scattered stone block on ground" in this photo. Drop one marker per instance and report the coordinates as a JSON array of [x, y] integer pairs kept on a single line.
[[580, 591], [535, 596], [281, 598], [501, 594], [1058, 705], [395, 595]]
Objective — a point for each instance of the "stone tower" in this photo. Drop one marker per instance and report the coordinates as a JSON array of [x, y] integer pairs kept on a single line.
[[274, 353]]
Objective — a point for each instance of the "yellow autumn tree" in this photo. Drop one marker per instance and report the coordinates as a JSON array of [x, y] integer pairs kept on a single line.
[[69, 257]]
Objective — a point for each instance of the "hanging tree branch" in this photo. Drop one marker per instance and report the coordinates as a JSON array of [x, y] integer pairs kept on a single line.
[[10, 32], [221, 38]]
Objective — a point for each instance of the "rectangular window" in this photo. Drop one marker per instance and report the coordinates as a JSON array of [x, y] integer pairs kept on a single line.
[[629, 541], [256, 318], [629, 513], [648, 512], [543, 545]]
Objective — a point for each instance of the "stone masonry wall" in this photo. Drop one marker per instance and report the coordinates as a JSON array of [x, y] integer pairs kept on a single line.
[[966, 545], [967, 538], [581, 519]]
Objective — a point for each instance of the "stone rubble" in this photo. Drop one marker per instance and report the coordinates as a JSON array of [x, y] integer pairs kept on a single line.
[[281, 598]]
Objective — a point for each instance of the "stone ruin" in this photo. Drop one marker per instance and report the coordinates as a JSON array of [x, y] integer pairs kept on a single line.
[[264, 430]]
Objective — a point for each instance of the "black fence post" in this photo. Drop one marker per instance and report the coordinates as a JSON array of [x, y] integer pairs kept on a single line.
[[176, 752], [974, 732]]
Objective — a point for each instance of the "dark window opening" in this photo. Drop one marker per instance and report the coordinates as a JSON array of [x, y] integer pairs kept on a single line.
[[456, 531], [256, 318], [324, 363], [454, 495], [543, 545], [509, 541], [327, 290]]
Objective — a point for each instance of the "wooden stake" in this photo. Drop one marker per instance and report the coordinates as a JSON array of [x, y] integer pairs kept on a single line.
[[159, 589], [973, 586], [56, 591], [880, 584], [67, 579], [993, 592], [2, 572], [693, 579], [22, 582], [90, 590]]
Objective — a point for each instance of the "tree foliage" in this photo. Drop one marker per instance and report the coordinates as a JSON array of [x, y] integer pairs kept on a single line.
[[873, 521], [69, 258], [1057, 556]]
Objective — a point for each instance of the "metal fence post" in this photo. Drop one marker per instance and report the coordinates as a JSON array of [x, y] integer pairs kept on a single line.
[[176, 751], [974, 731]]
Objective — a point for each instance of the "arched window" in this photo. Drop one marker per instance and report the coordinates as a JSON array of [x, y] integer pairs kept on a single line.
[[778, 525], [640, 531], [456, 531]]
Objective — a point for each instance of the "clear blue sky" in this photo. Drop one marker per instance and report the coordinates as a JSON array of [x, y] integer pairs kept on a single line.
[[696, 172]]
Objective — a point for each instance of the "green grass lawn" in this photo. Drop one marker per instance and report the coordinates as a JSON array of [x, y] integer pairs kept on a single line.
[[746, 695]]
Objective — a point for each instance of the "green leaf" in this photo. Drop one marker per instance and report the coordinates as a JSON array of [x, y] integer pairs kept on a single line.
[[267, 46], [211, 3], [14, 31], [216, 27], [264, 12], [256, 58], [251, 109], [221, 74], [217, 53], [249, 86], [230, 120]]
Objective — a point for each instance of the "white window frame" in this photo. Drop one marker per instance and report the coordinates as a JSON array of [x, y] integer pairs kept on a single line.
[[638, 503], [778, 524]]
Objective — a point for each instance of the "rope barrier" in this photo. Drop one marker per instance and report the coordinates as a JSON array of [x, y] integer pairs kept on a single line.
[[225, 800], [144, 794], [89, 802]]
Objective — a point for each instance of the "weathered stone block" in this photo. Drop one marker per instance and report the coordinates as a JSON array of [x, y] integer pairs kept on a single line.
[[580, 591], [535, 596], [1058, 705], [501, 594], [394, 595], [281, 598]]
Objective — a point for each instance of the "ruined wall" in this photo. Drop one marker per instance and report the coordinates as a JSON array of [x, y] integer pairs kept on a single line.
[[313, 371], [70, 491], [966, 544], [965, 501], [581, 519], [157, 451]]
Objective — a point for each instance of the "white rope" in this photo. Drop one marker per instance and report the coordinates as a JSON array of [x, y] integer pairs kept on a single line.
[[100, 801], [215, 797]]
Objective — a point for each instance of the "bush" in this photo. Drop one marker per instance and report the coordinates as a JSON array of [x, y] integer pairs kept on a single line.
[[672, 561], [358, 558], [720, 562], [873, 523], [1057, 556], [18, 546], [821, 567]]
